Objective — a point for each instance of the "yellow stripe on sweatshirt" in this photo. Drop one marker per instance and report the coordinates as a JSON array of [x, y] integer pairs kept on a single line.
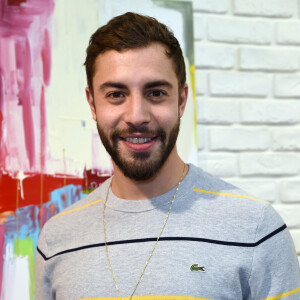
[[228, 195], [78, 208], [283, 295]]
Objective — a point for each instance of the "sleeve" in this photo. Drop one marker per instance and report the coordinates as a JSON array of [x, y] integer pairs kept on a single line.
[[42, 281], [275, 269]]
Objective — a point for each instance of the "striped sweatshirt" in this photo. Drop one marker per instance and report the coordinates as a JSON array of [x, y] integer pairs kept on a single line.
[[218, 243]]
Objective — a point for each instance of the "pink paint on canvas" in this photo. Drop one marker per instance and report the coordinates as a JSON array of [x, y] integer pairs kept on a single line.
[[25, 70]]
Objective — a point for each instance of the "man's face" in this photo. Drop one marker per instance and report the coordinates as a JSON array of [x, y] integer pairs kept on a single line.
[[136, 106]]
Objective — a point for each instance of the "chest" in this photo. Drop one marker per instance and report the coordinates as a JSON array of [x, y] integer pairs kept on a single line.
[[176, 269]]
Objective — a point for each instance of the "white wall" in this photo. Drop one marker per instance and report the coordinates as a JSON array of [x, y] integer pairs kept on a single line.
[[247, 56]]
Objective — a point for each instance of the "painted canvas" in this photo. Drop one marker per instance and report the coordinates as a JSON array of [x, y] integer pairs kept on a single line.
[[50, 152]]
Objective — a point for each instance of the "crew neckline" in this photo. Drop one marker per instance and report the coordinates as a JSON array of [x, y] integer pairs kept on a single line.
[[133, 206]]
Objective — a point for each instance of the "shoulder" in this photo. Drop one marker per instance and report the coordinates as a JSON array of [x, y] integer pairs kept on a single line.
[[80, 219], [212, 188], [229, 212], [83, 207]]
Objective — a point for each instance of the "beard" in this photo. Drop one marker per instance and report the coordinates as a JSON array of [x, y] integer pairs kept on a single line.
[[140, 166]]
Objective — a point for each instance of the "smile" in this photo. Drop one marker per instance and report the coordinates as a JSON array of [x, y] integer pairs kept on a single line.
[[136, 140]]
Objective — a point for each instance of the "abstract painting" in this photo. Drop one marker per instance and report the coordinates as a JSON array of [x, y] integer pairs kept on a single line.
[[50, 152]]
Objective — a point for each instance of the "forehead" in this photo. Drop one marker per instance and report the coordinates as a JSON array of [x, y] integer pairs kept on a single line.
[[140, 64]]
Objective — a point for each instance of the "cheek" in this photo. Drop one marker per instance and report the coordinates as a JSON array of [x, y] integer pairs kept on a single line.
[[107, 117], [167, 121]]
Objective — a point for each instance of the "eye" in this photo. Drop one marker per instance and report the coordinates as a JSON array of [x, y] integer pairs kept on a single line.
[[116, 95], [156, 93]]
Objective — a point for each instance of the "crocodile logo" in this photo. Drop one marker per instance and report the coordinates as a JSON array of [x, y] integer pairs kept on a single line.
[[195, 267]]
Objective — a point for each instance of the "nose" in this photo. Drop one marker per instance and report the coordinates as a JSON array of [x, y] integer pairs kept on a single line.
[[138, 111]]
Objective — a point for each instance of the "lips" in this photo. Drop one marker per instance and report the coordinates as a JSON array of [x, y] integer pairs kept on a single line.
[[139, 142], [138, 139]]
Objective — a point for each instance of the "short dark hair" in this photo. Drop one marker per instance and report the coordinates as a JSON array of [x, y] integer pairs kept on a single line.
[[131, 31]]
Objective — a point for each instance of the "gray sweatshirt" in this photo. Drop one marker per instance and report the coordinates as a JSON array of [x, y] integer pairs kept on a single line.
[[218, 243]]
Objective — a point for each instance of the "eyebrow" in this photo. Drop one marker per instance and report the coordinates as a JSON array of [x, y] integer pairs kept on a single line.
[[111, 84], [157, 84], [119, 85]]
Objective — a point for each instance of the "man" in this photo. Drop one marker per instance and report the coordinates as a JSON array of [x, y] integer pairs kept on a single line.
[[158, 229]]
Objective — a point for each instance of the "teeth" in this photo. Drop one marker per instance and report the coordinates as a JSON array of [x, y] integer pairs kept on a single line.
[[138, 140]]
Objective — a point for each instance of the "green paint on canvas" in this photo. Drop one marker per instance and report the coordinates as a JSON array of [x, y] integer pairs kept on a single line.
[[26, 247]]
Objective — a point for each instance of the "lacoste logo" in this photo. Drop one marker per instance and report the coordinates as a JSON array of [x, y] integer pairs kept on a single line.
[[195, 267]]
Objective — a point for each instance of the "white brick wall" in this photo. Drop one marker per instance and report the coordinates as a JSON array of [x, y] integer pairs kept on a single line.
[[211, 111], [287, 86], [261, 164], [290, 190], [238, 30], [221, 165], [208, 56], [288, 33], [247, 56], [236, 84], [270, 112], [244, 139], [266, 59], [267, 8], [216, 6], [285, 139]]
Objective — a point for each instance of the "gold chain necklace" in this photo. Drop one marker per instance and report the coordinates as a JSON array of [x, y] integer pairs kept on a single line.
[[147, 261]]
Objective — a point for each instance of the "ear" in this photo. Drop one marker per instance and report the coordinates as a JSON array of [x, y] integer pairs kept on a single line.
[[90, 100], [183, 99]]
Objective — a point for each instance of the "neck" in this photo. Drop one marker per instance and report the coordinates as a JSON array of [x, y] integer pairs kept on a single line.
[[165, 179]]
